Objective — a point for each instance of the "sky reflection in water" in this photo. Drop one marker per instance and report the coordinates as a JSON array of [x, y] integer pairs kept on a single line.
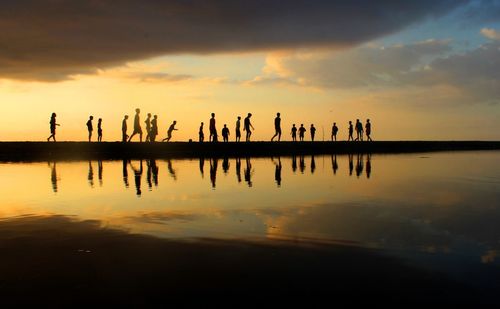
[[441, 202]]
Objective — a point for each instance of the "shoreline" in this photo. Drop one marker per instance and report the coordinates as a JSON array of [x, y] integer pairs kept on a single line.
[[33, 151]]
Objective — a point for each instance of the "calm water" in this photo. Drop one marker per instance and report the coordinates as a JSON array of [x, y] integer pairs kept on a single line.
[[438, 210]]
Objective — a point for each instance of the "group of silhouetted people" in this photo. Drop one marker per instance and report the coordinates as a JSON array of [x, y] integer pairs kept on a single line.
[[152, 129]]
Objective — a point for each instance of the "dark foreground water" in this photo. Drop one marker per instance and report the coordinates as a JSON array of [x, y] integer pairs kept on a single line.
[[417, 228]]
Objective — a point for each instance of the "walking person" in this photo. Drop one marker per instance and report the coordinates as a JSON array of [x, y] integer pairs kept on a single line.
[[99, 130], [169, 131], [200, 133], [294, 133], [137, 125], [90, 127], [335, 129], [225, 133], [302, 130], [154, 129], [238, 126], [368, 128], [277, 127], [213, 130], [359, 130], [313, 132], [148, 127], [53, 125], [124, 129], [351, 131], [246, 127]]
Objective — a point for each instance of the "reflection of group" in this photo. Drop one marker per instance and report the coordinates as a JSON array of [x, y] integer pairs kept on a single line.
[[152, 129], [137, 168]]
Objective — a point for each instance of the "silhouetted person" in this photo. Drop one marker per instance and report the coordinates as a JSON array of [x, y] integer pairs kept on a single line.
[[313, 165], [213, 171], [53, 176], [335, 165], [225, 133], [359, 130], [368, 128], [294, 164], [225, 165], [90, 177], [171, 170], [247, 126], [294, 133], [148, 127], [277, 127], [302, 130], [124, 129], [277, 172], [238, 131], [368, 166], [99, 172], [125, 173], [137, 125], [351, 131], [302, 164], [53, 125], [169, 131], [99, 130], [213, 130], [359, 165], [335, 129], [313, 132], [201, 134], [137, 177], [248, 172], [90, 127], [238, 169], [154, 129], [351, 164], [202, 167]]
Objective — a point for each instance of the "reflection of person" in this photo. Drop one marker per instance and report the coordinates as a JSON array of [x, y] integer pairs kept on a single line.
[[213, 171], [368, 166], [313, 165], [225, 165], [302, 164], [137, 125], [171, 170], [53, 125], [238, 169], [359, 165], [53, 176], [137, 177], [202, 166], [335, 166], [351, 164], [294, 164], [277, 127], [277, 172], [248, 172], [125, 173], [99, 172], [90, 177]]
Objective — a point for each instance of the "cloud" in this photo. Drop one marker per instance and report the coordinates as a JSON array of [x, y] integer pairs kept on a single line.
[[474, 75], [490, 33], [53, 40]]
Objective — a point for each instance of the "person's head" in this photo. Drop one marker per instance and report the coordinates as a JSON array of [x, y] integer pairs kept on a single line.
[[312, 125], [278, 114], [249, 114], [334, 123], [54, 115], [293, 125], [202, 124], [224, 125], [91, 117], [350, 122], [213, 115], [155, 116], [100, 120], [301, 124], [149, 115], [357, 120], [239, 117], [137, 110], [126, 116], [367, 120], [175, 121]]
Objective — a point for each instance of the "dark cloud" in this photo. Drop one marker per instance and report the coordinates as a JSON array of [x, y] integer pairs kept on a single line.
[[51, 40]]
